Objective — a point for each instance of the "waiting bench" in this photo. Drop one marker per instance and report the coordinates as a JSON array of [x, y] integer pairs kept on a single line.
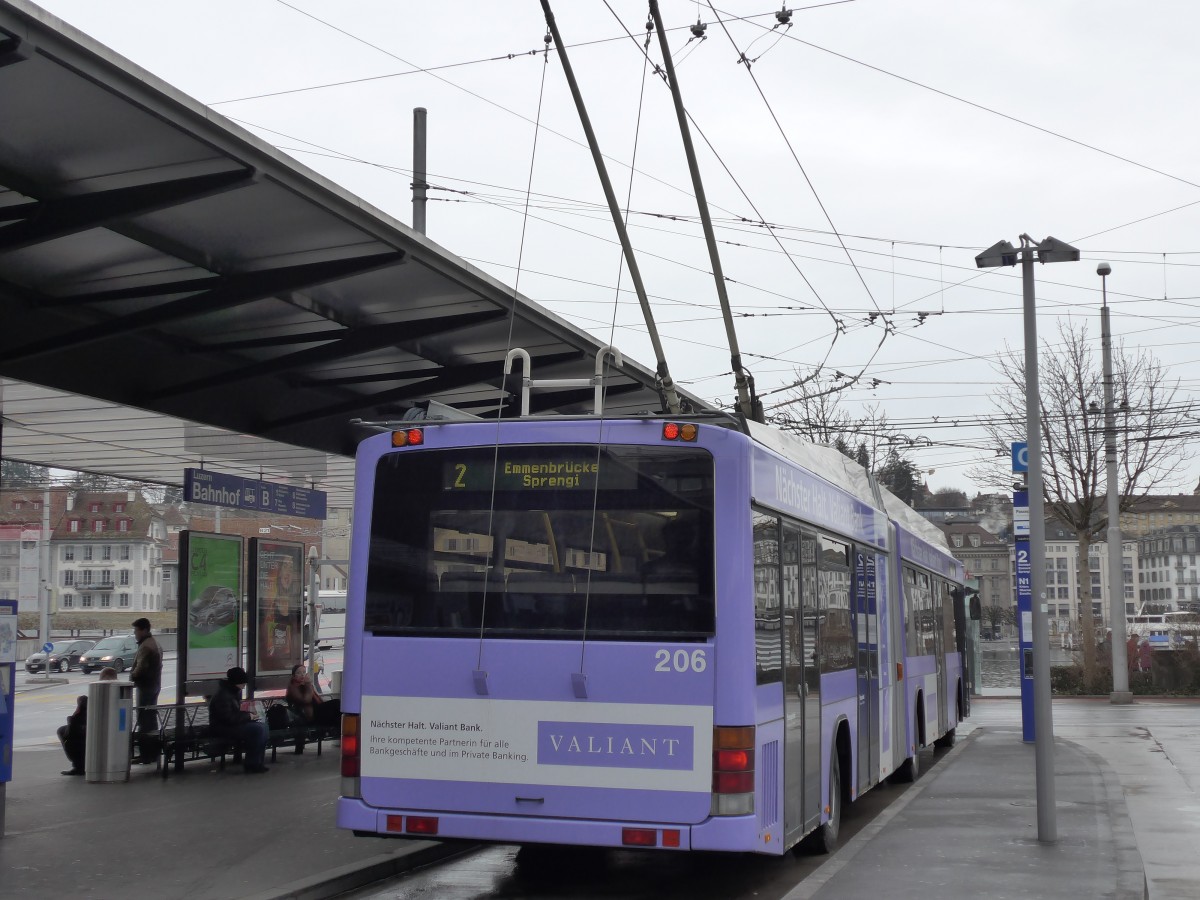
[[183, 735]]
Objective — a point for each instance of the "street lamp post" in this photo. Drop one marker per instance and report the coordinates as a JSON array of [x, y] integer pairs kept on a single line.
[[1005, 254], [1116, 580]]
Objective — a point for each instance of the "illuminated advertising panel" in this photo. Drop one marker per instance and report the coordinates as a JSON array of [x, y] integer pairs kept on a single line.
[[211, 612], [277, 605]]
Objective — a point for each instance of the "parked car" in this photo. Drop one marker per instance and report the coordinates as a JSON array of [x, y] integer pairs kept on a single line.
[[214, 608], [117, 652], [64, 656]]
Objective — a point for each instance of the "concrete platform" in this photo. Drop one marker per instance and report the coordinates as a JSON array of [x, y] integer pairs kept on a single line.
[[1127, 818], [204, 834]]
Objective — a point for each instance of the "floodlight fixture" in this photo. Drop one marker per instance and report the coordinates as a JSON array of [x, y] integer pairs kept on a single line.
[[1002, 253], [1053, 250]]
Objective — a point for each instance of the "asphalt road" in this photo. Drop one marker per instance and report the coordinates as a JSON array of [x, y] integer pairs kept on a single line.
[[506, 871], [42, 705]]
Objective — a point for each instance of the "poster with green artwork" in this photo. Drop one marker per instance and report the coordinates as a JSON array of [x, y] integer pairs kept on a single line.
[[212, 591]]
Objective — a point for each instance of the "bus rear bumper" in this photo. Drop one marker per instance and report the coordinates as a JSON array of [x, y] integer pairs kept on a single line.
[[733, 834]]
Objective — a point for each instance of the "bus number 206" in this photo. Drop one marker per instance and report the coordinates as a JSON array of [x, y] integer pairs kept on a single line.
[[680, 661]]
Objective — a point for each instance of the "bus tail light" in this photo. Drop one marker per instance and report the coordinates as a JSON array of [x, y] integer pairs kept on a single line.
[[395, 823], [351, 755], [733, 770]]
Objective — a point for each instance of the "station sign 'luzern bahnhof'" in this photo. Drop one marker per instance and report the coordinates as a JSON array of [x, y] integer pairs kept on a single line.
[[206, 486]]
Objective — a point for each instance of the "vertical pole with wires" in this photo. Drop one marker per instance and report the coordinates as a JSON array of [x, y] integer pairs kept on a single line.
[[419, 173], [1116, 578]]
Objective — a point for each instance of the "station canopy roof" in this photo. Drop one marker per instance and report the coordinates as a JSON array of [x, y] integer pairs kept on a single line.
[[174, 290]]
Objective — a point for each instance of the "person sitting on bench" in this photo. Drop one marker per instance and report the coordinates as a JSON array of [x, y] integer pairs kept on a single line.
[[73, 736], [309, 707], [229, 722]]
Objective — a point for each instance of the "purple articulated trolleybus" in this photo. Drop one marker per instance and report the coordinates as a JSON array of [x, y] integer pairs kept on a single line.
[[685, 633]]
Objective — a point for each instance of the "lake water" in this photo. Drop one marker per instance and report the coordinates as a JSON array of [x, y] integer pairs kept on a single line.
[[1000, 669]]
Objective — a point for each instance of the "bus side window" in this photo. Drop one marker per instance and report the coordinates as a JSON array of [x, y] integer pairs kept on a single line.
[[768, 640], [911, 612]]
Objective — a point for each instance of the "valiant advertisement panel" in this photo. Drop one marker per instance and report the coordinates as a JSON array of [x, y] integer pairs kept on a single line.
[[617, 745]]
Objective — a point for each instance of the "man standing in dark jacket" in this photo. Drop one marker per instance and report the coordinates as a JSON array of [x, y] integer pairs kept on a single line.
[[228, 721], [146, 676]]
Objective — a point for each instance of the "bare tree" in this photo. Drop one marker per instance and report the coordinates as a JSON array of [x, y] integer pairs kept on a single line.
[[820, 417], [1151, 442]]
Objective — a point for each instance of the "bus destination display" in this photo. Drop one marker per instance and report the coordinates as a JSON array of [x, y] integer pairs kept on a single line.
[[521, 475]]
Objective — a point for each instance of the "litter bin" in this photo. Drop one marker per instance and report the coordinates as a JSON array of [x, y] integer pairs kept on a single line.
[[109, 729]]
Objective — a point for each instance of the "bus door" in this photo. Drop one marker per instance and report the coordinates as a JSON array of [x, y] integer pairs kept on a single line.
[[812, 627], [794, 654], [939, 628], [867, 639]]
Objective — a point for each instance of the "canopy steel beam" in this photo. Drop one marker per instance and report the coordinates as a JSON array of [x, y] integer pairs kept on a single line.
[[45, 220], [347, 344], [436, 381], [445, 376], [235, 290]]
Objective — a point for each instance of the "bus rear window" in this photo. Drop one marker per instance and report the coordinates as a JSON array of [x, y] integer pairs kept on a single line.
[[543, 541]]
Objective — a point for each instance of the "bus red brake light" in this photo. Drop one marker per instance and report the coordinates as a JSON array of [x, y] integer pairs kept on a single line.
[[734, 761], [350, 746]]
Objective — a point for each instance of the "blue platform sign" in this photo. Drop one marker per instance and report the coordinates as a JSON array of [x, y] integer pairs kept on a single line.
[[220, 489], [1025, 635], [1020, 456], [8, 672]]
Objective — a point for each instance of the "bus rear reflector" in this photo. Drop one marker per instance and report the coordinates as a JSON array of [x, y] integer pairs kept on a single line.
[[350, 746], [639, 837], [395, 823], [422, 825], [671, 837]]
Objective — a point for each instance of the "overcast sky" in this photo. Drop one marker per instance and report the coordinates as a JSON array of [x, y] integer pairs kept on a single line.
[[914, 133]]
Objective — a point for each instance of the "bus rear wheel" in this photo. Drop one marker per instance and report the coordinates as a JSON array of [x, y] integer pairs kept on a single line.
[[825, 839], [909, 770]]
